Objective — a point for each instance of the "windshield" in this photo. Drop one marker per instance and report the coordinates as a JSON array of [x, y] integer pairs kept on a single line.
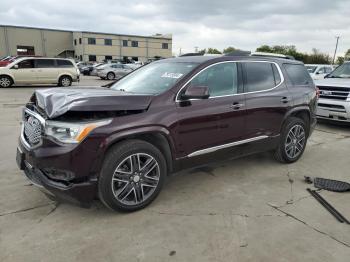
[[154, 78], [311, 69], [342, 71]]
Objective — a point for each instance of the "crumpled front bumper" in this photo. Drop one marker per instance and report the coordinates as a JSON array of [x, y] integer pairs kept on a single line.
[[57, 175]]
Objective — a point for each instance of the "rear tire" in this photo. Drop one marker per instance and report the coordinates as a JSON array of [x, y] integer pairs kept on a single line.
[[65, 81], [5, 81], [132, 175], [110, 76], [292, 141]]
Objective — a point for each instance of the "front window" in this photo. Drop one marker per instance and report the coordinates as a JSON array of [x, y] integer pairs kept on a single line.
[[154, 78], [342, 71]]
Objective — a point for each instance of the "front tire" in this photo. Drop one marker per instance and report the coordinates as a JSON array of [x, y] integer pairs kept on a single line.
[[65, 81], [292, 141], [5, 81], [132, 175]]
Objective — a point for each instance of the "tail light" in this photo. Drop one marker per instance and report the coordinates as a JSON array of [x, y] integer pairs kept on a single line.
[[317, 92]]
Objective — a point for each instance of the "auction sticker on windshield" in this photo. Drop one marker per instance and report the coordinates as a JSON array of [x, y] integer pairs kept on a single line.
[[172, 75]]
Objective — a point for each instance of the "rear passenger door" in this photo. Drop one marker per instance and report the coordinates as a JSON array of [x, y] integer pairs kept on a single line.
[[267, 98], [47, 71]]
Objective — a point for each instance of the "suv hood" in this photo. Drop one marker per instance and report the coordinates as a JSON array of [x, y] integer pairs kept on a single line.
[[57, 101], [336, 82]]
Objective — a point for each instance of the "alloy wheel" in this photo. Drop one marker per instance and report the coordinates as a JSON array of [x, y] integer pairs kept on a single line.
[[135, 179], [295, 141], [5, 82]]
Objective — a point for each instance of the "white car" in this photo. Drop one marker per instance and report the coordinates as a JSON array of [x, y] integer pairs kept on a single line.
[[334, 101], [39, 71], [319, 71], [113, 71]]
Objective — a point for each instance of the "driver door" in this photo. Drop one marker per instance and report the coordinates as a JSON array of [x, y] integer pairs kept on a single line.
[[218, 120], [25, 73]]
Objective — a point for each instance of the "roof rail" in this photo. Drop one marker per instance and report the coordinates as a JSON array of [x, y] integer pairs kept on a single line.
[[272, 55], [191, 54], [238, 53]]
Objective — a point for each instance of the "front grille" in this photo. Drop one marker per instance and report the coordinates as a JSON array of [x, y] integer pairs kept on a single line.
[[32, 129], [337, 93], [336, 108]]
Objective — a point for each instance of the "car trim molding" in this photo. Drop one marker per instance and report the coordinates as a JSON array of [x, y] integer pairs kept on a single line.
[[215, 148], [242, 61]]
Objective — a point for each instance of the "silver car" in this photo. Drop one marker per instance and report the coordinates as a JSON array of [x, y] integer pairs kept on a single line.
[[113, 71]]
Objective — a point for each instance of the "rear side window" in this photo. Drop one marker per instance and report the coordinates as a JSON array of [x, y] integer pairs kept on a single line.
[[64, 63], [298, 74], [260, 76], [45, 63]]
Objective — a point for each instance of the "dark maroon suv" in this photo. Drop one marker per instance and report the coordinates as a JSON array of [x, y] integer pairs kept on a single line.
[[120, 143]]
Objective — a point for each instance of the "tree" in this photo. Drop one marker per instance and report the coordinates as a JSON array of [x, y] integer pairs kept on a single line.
[[213, 51], [202, 52], [340, 60], [347, 55], [229, 50]]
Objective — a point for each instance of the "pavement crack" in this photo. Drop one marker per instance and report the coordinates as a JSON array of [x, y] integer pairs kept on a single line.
[[25, 209], [291, 181], [56, 204], [308, 225]]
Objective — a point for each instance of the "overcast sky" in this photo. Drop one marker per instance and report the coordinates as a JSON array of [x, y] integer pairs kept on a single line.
[[243, 24]]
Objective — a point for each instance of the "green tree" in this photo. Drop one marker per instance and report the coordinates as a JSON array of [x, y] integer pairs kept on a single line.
[[202, 51], [340, 60], [347, 55], [229, 49], [213, 51]]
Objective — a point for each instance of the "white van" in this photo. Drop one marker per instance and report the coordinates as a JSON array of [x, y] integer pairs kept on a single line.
[[30, 70]]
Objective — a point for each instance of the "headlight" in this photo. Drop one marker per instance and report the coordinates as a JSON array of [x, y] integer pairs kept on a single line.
[[67, 132]]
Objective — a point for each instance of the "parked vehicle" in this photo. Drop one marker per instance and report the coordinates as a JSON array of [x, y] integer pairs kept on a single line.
[[319, 71], [7, 60], [113, 71], [93, 72], [334, 102], [39, 71], [121, 142]]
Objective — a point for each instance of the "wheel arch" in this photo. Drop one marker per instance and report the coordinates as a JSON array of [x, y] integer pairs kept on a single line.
[[157, 137], [9, 76], [302, 112]]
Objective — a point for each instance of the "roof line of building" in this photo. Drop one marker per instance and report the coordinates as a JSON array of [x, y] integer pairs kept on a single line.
[[85, 32]]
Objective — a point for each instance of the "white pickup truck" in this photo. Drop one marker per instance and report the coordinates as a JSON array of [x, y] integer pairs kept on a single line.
[[334, 101]]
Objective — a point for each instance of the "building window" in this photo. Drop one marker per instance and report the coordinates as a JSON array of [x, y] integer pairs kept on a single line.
[[91, 41], [108, 57], [125, 42], [79, 41], [134, 43], [25, 50], [108, 41], [165, 46], [81, 57], [92, 58], [135, 58], [75, 41]]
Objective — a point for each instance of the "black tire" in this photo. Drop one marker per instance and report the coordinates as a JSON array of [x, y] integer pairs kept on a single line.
[[283, 152], [110, 76], [115, 157], [65, 81], [5, 81]]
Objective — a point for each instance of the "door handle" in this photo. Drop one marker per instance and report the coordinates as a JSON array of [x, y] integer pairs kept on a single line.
[[285, 99], [236, 106]]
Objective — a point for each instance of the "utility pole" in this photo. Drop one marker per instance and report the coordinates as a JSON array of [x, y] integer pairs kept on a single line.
[[336, 47]]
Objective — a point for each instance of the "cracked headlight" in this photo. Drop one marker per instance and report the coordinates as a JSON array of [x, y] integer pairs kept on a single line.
[[71, 133]]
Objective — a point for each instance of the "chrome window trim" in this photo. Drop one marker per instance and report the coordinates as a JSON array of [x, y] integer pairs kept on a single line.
[[240, 61], [42, 122], [215, 148]]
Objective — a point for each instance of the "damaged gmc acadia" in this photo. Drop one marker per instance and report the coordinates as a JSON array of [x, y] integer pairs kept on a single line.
[[120, 143]]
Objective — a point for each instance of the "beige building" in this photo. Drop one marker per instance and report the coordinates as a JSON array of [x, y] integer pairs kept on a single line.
[[82, 45]]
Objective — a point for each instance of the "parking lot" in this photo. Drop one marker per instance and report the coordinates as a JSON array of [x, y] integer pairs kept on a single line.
[[250, 209]]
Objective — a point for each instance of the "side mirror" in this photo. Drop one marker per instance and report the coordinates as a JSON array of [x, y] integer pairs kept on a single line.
[[317, 73], [196, 92], [15, 67]]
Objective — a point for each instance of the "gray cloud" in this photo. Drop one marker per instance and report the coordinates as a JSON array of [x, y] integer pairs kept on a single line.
[[244, 24]]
